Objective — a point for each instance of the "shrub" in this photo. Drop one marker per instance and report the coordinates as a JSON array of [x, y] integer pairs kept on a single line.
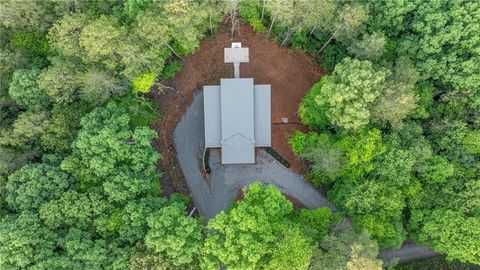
[[250, 11], [143, 83], [171, 69]]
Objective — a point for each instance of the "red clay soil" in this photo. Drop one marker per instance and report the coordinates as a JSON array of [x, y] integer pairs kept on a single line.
[[290, 73]]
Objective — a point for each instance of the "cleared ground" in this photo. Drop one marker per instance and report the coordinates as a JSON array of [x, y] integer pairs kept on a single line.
[[290, 73]]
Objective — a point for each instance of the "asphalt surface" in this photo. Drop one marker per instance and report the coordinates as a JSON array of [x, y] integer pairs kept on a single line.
[[215, 194]]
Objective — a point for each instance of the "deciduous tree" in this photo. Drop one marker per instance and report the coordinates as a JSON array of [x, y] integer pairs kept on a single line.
[[174, 234], [25, 91], [34, 185]]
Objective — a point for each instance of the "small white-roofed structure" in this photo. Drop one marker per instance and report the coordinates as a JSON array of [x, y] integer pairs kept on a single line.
[[237, 113]]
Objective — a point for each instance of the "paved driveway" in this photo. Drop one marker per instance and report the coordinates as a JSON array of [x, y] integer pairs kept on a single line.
[[215, 194]]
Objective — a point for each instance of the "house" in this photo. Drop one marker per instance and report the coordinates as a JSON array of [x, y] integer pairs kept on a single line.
[[237, 113]]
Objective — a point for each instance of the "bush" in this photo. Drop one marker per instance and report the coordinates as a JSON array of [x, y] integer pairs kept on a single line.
[[30, 42], [312, 114], [250, 11], [142, 111], [331, 55], [171, 69], [143, 83]]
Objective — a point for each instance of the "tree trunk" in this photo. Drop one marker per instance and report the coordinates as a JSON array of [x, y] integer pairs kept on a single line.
[[311, 32], [263, 8], [325, 45], [287, 36], [271, 25], [210, 21], [174, 52], [233, 18]]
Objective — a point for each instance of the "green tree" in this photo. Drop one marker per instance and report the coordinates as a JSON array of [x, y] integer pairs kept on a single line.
[[63, 126], [134, 225], [390, 16], [350, 93], [174, 234], [311, 113], [297, 16], [452, 233], [60, 81], [348, 24], [370, 47], [24, 90], [83, 251], [316, 222], [64, 35], [34, 185], [398, 99], [143, 83], [26, 131], [102, 40], [293, 252], [98, 86], [31, 43], [24, 241], [75, 210], [35, 15], [442, 41], [346, 250], [243, 237], [374, 206], [107, 153]]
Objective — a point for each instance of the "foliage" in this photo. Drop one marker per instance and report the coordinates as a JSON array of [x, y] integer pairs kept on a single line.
[[24, 90], [171, 69], [60, 82], [443, 42], [452, 233], [350, 92], [370, 47], [311, 113], [102, 40], [63, 126], [316, 222], [346, 250], [142, 111], [174, 234], [26, 131], [64, 35], [143, 83], [98, 86], [34, 185], [30, 42], [105, 149], [250, 10], [24, 241], [243, 237]]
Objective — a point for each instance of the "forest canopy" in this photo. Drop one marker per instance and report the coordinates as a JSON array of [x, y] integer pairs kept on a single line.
[[392, 137]]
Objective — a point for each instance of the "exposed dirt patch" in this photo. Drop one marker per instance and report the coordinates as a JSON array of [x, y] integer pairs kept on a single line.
[[290, 74]]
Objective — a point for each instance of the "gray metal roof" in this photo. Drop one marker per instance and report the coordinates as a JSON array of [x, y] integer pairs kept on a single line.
[[263, 116], [211, 113], [237, 120]]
